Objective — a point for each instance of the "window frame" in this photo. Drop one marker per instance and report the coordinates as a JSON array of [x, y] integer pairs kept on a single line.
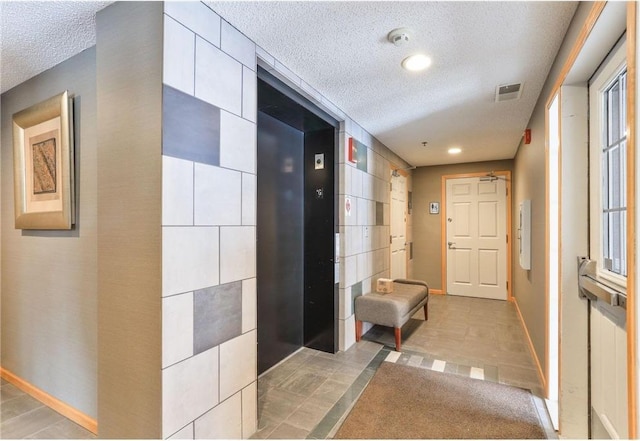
[[602, 81]]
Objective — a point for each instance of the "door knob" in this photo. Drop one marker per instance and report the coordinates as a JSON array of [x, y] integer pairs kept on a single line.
[[451, 245]]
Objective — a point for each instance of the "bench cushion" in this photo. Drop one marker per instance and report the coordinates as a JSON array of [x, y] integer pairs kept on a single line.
[[393, 309]]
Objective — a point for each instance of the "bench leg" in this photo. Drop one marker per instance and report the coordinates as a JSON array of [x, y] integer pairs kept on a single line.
[[426, 311], [398, 332], [358, 330]]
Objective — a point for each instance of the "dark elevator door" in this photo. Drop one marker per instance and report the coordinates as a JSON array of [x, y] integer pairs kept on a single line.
[[295, 229]]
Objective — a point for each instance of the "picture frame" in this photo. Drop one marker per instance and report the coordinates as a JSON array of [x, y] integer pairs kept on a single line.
[[434, 207], [43, 165]]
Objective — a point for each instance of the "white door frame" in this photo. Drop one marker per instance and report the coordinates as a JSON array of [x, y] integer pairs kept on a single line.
[[505, 174], [406, 224]]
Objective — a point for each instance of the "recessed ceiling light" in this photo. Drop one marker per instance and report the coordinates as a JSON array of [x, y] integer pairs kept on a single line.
[[454, 150], [416, 62]]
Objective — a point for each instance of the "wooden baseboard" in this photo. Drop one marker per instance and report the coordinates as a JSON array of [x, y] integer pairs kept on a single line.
[[531, 347], [437, 292], [62, 408]]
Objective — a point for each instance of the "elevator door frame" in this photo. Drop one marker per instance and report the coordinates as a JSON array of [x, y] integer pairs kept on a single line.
[[331, 124]]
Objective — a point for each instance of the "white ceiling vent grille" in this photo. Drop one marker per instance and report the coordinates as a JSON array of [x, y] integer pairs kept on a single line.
[[508, 92]]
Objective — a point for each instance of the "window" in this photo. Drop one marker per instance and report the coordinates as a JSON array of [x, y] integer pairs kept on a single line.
[[614, 177], [608, 167]]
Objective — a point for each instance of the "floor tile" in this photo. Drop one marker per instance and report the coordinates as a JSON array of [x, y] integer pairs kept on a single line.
[[29, 423], [287, 431], [303, 382], [64, 429], [8, 392], [17, 406], [309, 414], [278, 404]]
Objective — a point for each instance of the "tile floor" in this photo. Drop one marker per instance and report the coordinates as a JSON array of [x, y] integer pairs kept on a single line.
[[309, 394], [470, 332], [23, 417], [466, 336]]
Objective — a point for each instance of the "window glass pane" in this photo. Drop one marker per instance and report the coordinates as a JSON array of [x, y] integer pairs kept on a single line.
[[614, 178], [614, 183], [614, 113]]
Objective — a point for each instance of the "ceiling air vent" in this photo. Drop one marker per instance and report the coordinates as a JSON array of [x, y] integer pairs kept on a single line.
[[508, 92]]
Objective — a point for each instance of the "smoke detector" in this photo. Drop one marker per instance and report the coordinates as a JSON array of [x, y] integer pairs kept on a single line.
[[507, 92], [399, 36]]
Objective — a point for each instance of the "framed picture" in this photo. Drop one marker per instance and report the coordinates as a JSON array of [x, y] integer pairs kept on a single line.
[[43, 165], [434, 207]]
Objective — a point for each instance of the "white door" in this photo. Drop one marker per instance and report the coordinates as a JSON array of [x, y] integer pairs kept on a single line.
[[607, 244], [476, 237], [398, 227]]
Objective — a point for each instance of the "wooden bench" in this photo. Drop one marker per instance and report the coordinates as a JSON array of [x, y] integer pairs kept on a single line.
[[392, 309]]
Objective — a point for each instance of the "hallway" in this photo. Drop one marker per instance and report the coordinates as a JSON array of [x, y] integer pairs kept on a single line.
[[309, 394]]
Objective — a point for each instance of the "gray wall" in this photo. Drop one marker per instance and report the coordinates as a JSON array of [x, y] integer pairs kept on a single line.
[[129, 100], [529, 178], [49, 279], [427, 236]]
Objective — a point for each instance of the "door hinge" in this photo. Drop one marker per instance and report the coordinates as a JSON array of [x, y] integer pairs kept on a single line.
[[507, 284], [507, 192], [507, 238], [390, 239]]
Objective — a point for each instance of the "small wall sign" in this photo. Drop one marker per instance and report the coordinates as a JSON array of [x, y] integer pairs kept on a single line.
[[434, 207]]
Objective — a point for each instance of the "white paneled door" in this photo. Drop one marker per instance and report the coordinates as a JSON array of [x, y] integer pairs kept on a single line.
[[398, 227], [476, 237]]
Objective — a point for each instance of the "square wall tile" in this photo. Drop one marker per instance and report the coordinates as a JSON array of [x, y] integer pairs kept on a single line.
[[249, 305], [189, 259], [249, 94], [197, 17], [363, 212], [362, 155], [249, 199], [184, 433], [190, 127], [177, 328], [236, 44], [189, 389], [344, 303], [217, 315], [238, 364], [177, 191], [237, 253], [222, 422], [379, 213], [347, 333], [249, 410], [218, 77], [355, 243], [350, 272], [237, 143], [356, 182], [179, 56], [218, 196]]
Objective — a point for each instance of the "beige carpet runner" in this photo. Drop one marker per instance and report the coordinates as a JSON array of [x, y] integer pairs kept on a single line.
[[404, 402]]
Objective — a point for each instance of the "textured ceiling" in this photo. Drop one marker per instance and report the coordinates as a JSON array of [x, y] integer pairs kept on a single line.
[[35, 36], [340, 48]]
